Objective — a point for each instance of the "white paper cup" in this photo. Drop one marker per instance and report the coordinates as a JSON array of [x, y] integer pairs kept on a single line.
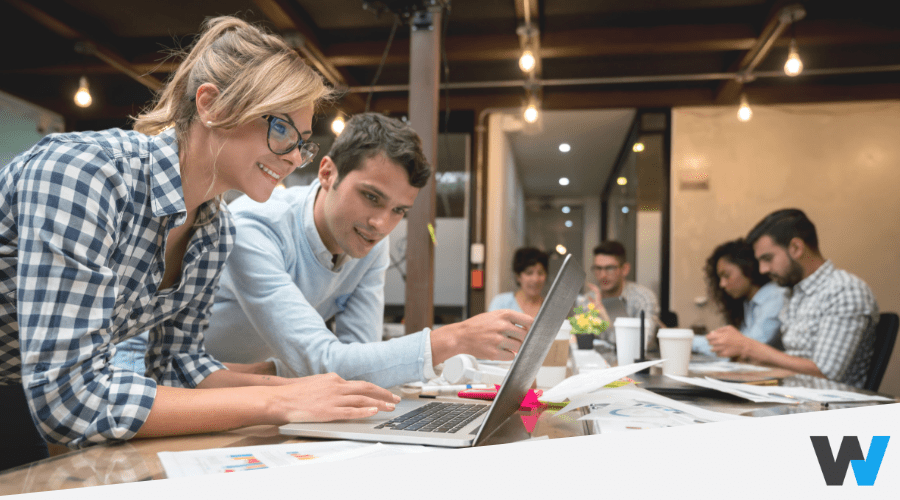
[[628, 340], [675, 349]]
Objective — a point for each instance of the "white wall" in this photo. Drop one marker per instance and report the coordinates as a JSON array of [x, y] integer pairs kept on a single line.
[[840, 163], [505, 209], [450, 261], [648, 250], [22, 124]]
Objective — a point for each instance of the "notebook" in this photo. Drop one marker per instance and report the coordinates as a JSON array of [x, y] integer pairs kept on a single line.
[[470, 423]]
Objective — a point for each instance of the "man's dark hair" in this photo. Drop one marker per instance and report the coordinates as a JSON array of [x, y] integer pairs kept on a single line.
[[783, 226], [526, 257], [367, 135], [613, 248], [739, 253]]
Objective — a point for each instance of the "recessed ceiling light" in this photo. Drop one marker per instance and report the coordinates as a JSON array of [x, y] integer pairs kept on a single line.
[[563, 181], [624, 210], [561, 249], [565, 148], [622, 181], [638, 147], [568, 223], [566, 209]]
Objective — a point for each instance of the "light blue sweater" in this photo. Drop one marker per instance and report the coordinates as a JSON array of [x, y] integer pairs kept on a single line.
[[760, 318], [506, 300], [279, 287]]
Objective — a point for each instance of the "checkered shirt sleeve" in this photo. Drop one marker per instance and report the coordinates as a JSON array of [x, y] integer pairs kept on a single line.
[[845, 332], [833, 325], [640, 298], [79, 266]]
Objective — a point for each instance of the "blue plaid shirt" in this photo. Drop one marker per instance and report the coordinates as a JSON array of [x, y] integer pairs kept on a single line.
[[83, 218]]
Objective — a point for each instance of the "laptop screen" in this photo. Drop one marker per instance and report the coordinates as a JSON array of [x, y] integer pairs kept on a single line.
[[535, 347]]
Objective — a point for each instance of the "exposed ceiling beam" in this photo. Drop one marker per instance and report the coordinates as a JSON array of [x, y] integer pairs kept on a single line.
[[90, 45], [607, 41], [729, 91], [616, 41], [569, 99], [566, 99], [299, 33]]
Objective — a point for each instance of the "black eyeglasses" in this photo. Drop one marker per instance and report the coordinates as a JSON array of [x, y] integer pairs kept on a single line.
[[608, 269], [283, 137]]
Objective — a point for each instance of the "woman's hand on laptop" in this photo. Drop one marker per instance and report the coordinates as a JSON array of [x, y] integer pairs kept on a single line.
[[322, 398], [494, 335]]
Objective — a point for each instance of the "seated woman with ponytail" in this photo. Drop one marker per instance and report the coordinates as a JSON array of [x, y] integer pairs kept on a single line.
[[104, 235]]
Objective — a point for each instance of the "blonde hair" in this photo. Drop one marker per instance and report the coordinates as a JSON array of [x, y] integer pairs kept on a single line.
[[256, 73]]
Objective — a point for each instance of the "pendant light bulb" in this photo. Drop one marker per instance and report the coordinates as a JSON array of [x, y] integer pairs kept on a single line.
[[337, 126], [793, 66], [744, 112], [527, 61], [83, 96], [531, 113]]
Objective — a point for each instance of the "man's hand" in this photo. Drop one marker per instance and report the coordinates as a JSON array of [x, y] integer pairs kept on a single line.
[[492, 335], [322, 398], [729, 342]]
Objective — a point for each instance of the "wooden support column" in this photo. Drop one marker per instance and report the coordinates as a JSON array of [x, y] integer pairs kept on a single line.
[[424, 80]]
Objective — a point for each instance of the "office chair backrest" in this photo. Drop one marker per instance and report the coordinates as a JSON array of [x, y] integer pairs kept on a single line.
[[885, 335]]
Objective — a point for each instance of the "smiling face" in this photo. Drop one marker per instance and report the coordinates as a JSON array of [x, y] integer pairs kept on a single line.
[[532, 280], [244, 161], [355, 212], [775, 261], [732, 279]]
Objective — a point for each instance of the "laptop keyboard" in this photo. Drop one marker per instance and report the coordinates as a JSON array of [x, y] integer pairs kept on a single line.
[[436, 417]]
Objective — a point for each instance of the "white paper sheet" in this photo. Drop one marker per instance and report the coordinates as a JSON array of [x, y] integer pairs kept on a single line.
[[780, 394], [627, 408], [218, 460], [725, 367], [750, 392], [584, 383]]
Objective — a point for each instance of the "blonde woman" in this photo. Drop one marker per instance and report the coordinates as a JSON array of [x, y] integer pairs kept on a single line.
[[104, 235]]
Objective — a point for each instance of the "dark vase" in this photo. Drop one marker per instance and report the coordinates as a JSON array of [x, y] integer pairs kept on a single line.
[[585, 340]]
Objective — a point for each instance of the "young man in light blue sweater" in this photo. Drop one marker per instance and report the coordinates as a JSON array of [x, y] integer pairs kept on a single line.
[[318, 251]]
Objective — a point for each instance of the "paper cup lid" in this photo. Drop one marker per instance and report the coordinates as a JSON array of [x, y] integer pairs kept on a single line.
[[635, 322], [675, 333]]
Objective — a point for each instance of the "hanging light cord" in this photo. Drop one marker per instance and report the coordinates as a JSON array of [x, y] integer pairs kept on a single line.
[[383, 59]]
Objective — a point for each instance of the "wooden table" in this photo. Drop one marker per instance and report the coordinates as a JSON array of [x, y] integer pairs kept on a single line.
[[137, 460]]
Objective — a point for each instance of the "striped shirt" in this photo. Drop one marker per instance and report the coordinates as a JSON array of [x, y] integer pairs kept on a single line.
[[830, 319], [83, 218]]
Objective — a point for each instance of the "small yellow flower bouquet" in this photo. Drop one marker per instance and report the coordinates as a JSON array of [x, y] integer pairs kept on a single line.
[[586, 323]]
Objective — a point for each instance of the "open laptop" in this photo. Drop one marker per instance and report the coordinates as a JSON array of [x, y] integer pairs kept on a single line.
[[468, 423]]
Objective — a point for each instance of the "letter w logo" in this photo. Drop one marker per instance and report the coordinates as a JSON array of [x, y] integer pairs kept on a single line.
[[834, 469]]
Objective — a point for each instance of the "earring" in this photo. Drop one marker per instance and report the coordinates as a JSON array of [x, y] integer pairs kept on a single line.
[[208, 123]]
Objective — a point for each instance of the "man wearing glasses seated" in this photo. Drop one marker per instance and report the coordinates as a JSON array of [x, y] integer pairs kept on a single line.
[[610, 269]]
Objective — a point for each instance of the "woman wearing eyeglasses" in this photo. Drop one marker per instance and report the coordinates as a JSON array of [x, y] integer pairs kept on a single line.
[[104, 235]]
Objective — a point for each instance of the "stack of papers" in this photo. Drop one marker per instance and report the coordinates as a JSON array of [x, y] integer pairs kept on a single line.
[[626, 408], [780, 394], [726, 367], [217, 460]]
